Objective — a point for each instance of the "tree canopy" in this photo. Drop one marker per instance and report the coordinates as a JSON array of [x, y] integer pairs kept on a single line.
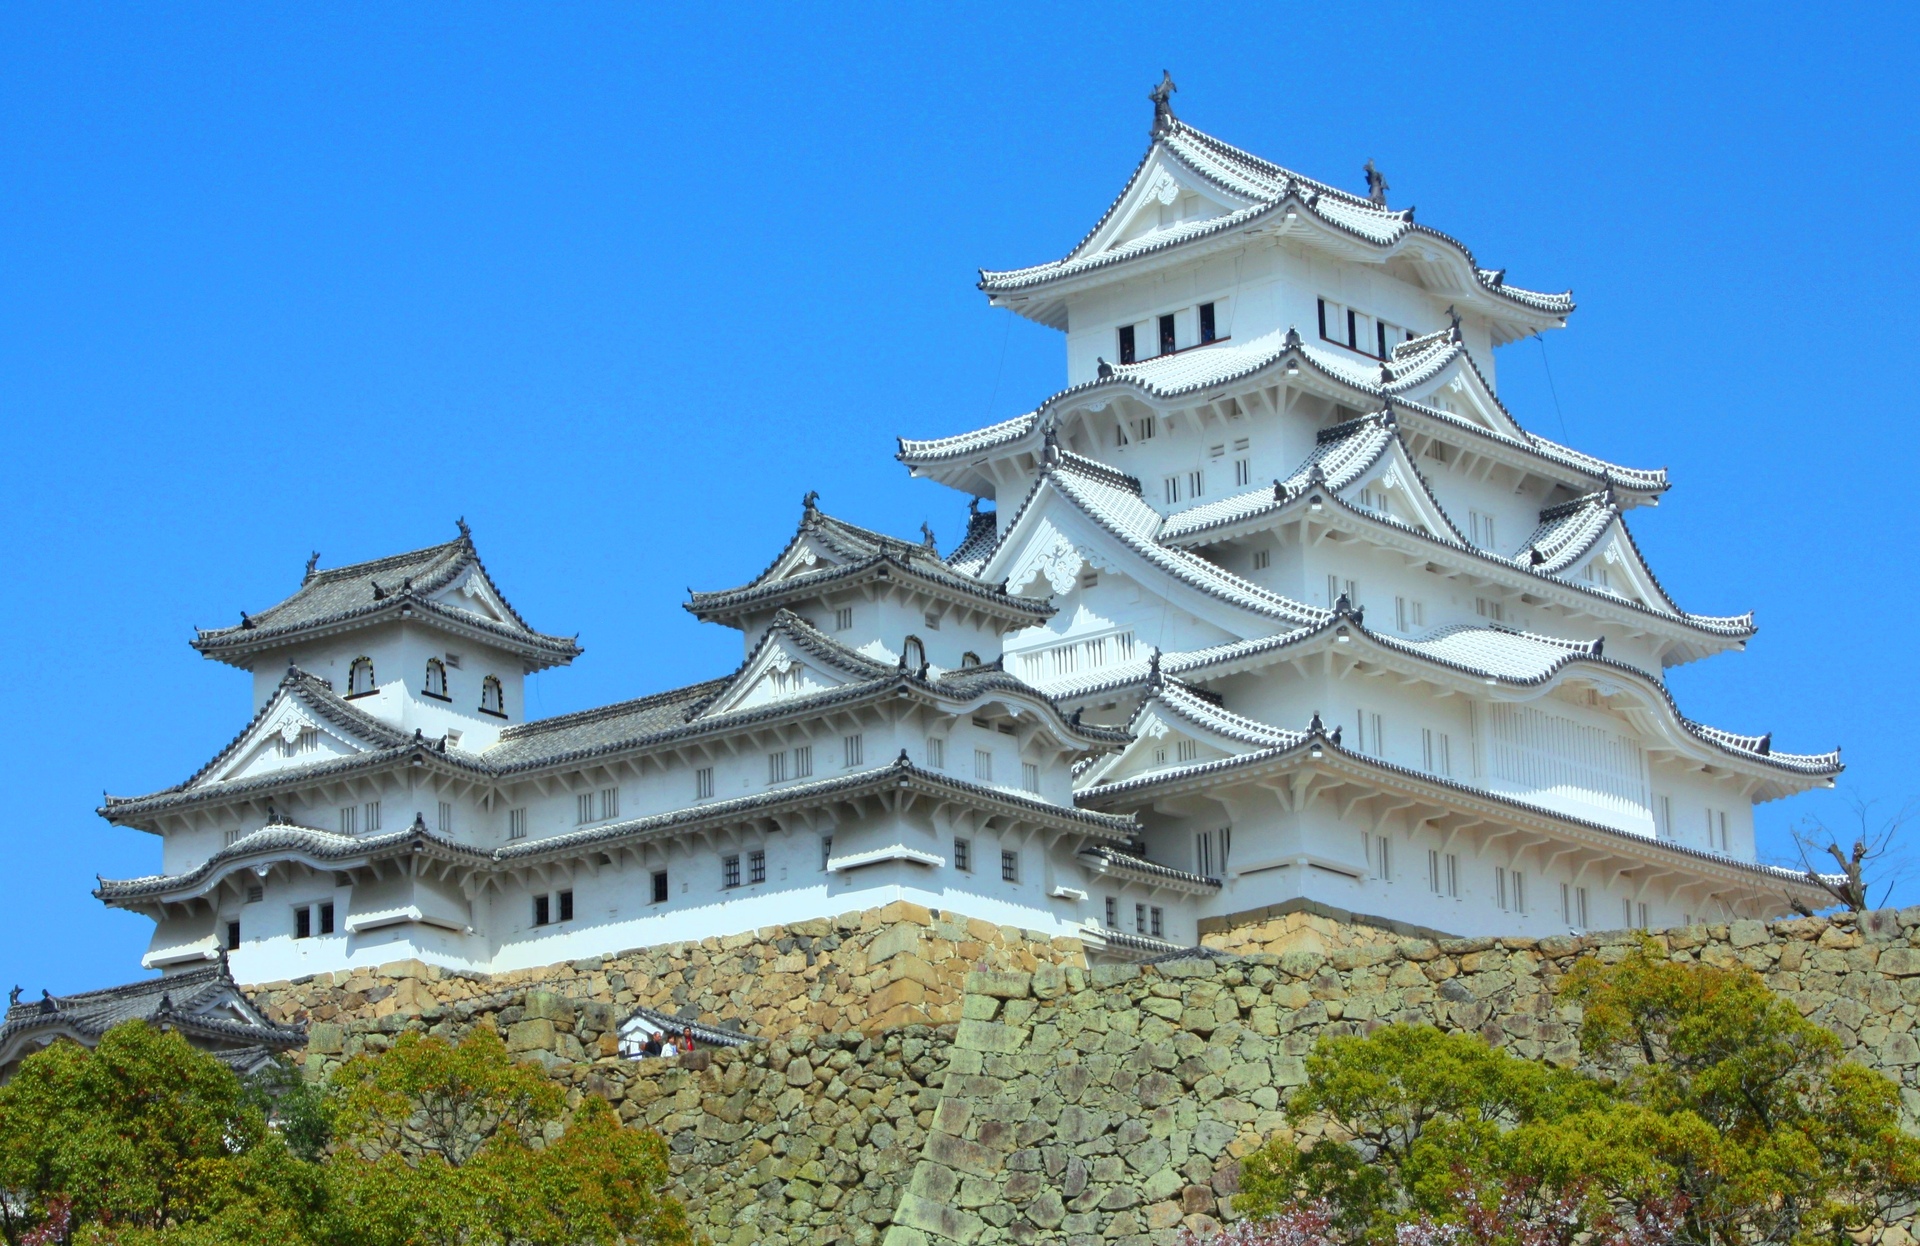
[[1709, 1112], [143, 1138]]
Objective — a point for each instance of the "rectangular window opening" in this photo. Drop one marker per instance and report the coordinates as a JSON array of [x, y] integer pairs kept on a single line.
[[1126, 344], [703, 783], [730, 871], [757, 866], [516, 824], [853, 749], [843, 619], [983, 765], [826, 853], [303, 922], [659, 886], [1157, 921], [1167, 346], [937, 753], [326, 917], [1009, 867], [233, 936], [542, 910], [1030, 776], [566, 906], [1207, 333], [963, 855], [446, 817]]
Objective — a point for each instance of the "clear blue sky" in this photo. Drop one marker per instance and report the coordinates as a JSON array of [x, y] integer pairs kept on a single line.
[[620, 284]]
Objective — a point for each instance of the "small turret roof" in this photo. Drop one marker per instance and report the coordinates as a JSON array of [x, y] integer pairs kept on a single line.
[[826, 554], [411, 586]]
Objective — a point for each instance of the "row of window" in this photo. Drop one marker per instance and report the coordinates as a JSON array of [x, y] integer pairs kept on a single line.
[[1091, 654], [1356, 330], [1148, 919], [360, 683], [1166, 330]]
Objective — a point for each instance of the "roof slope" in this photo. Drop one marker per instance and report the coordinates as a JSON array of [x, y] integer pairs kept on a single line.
[[826, 553], [1259, 187], [204, 1004], [400, 586]]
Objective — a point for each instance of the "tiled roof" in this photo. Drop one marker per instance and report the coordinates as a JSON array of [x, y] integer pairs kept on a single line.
[[1105, 859], [648, 722], [861, 554], [1169, 377], [1262, 187], [982, 534], [1113, 502], [326, 849], [201, 1003], [1128, 791], [367, 592]]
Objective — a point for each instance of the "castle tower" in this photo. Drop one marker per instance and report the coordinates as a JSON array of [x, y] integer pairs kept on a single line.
[[1382, 650]]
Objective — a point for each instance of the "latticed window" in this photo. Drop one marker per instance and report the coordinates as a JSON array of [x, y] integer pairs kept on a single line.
[[360, 677], [1009, 867], [493, 698], [757, 866], [730, 871], [436, 678]]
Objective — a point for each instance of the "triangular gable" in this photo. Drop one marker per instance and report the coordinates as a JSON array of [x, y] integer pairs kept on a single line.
[[1165, 195], [297, 727], [1075, 518], [1175, 728], [1456, 387], [473, 591], [1614, 565], [792, 661], [1392, 487]]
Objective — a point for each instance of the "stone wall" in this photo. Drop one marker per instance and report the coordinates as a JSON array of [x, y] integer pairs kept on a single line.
[[873, 971], [1032, 1098]]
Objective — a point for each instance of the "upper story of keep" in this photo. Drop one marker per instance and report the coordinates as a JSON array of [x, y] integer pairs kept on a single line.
[[1207, 243]]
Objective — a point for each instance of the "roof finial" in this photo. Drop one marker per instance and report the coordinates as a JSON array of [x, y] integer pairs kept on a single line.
[[1453, 318], [926, 530], [379, 594], [466, 533], [1050, 450], [1315, 725], [1162, 102], [1104, 369], [1376, 185], [313, 561], [810, 502], [244, 620], [1154, 678], [13, 997], [973, 507]]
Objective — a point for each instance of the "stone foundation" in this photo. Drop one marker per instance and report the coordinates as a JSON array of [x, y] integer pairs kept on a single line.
[[1032, 1099]]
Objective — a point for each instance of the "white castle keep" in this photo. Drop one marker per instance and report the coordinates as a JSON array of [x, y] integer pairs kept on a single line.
[[1277, 607]]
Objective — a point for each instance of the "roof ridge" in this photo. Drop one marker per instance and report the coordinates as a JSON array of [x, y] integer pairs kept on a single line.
[[576, 717]]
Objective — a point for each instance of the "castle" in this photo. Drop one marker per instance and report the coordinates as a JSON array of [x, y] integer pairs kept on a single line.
[[1277, 606]]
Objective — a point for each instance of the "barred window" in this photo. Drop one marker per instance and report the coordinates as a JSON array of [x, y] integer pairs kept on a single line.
[[963, 855], [983, 765], [516, 824], [703, 783], [854, 749], [730, 871], [1009, 867], [757, 866], [659, 886]]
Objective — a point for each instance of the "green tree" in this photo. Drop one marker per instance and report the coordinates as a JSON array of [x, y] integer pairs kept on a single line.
[[145, 1135], [442, 1143], [1798, 1145]]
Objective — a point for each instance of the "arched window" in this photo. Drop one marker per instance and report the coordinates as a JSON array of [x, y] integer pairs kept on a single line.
[[969, 660], [492, 700], [436, 679], [360, 677], [913, 654]]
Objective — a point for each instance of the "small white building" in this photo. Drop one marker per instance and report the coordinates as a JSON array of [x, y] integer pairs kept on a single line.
[[1279, 607]]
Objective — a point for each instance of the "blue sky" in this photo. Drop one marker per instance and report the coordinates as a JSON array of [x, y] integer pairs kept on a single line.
[[620, 284]]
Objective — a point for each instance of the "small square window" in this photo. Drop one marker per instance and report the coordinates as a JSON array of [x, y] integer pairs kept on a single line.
[[659, 886], [963, 855], [730, 871], [843, 619], [933, 621], [566, 906], [256, 893], [453, 661], [1262, 559], [757, 866], [1009, 867]]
